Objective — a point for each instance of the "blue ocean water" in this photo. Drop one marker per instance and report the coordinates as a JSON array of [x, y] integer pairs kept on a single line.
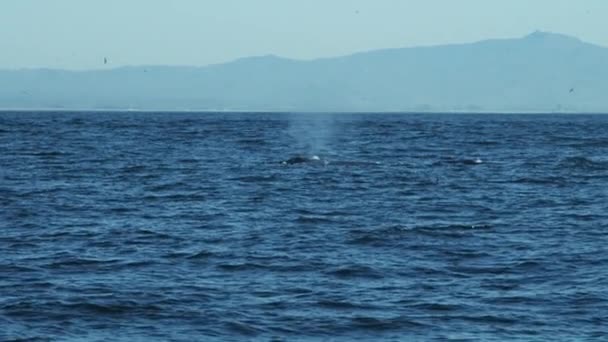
[[404, 227]]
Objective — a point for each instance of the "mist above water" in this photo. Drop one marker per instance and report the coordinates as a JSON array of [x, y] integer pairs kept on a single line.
[[312, 134]]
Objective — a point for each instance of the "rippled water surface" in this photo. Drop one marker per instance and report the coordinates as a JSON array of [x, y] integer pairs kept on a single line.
[[185, 227]]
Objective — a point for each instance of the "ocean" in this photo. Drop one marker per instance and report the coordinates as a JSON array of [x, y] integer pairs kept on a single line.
[[143, 226]]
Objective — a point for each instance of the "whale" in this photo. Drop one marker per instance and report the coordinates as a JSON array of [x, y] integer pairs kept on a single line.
[[301, 160], [475, 161]]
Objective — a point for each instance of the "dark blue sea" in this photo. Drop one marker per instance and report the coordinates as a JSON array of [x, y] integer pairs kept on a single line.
[[303, 227]]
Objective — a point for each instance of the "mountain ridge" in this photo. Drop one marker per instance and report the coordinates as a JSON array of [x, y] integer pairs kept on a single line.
[[540, 72]]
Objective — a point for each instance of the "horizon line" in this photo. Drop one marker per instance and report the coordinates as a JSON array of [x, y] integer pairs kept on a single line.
[[236, 111]]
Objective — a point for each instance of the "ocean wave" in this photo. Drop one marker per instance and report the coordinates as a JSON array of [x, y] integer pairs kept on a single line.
[[187, 227], [583, 163]]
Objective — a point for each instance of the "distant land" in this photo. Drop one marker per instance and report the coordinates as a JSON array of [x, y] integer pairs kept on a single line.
[[541, 72]]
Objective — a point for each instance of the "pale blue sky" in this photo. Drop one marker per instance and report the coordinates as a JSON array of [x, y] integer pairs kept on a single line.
[[78, 34]]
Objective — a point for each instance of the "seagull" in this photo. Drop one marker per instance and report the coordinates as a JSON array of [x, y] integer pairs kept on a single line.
[[105, 60], [572, 90]]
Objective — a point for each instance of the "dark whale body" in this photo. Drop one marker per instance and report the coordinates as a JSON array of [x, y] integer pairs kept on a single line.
[[301, 160]]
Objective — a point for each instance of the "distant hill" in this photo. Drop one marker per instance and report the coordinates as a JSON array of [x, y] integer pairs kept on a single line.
[[540, 72]]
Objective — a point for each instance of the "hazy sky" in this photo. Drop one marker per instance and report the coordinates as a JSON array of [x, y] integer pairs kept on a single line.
[[78, 34]]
